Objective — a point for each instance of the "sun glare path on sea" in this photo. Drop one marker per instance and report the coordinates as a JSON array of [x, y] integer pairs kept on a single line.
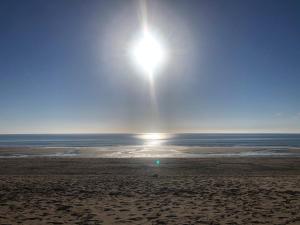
[[153, 139]]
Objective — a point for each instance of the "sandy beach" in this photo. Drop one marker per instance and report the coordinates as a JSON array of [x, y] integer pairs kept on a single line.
[[137, 191]]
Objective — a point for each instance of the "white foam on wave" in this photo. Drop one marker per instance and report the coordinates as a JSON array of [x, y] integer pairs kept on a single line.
[[142, 151]]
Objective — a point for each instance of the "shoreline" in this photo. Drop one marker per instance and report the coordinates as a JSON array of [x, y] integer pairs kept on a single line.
[[145, 151]]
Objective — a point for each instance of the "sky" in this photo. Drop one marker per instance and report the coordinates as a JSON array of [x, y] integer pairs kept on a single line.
[[233, 66]]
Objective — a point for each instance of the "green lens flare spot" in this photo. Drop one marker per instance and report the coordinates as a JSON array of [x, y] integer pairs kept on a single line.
[[157, 162]]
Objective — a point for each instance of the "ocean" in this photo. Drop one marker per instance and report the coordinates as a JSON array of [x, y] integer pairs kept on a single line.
[[149, 145]]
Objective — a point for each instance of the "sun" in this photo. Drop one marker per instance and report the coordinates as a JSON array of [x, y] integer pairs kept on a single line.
[[148, 53]]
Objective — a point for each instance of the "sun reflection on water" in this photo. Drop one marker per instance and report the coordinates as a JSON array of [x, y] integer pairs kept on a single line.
[[154, 139]]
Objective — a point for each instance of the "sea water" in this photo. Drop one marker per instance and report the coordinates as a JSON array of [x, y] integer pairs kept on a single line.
[[159, 145]]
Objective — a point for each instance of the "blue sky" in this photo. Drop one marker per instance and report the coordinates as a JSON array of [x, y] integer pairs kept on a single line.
[[234, 66]]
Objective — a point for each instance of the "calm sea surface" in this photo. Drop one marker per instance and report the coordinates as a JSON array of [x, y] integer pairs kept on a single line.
[[144, 145]]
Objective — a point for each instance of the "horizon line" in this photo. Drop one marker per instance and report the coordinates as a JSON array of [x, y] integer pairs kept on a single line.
[[116, 133]]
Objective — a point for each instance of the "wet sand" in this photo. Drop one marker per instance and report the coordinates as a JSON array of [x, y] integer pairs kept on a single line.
[[136, 191]]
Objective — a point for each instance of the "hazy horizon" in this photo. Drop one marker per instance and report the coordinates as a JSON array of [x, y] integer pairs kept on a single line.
[[135, 133]]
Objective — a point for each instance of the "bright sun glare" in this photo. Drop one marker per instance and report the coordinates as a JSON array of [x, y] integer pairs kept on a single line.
[[148, 53], [151, 139], [152, 136]]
